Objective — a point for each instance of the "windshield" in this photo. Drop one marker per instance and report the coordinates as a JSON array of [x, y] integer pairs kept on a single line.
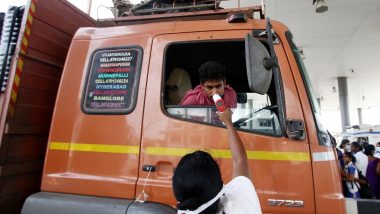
[[323, 135]]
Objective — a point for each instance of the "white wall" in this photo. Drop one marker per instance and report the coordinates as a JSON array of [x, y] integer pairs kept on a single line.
[[4, 4]]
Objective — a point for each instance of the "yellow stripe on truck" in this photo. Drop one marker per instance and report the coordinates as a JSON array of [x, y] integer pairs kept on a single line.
[[219, 153], [284, 156], [177, 152], [82, 147]]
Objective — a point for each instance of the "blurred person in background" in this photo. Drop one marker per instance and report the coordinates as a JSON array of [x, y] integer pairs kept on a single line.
[[377, 150], [361, 158], [351, 174], [338, 152], [373, 171], [345, 146]]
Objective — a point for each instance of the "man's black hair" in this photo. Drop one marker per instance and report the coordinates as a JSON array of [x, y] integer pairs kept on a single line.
[[212, 70], [344, 141], [197, 180], [369, 150], [357, 145]]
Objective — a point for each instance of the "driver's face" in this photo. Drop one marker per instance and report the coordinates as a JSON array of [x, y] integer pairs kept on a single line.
[[212, 87]]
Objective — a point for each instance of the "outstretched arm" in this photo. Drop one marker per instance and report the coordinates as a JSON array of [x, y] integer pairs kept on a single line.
[[239, 155]]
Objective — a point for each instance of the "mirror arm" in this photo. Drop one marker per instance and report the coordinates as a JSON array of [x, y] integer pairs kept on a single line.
[[277, 77], [295, 129], [269, 63]]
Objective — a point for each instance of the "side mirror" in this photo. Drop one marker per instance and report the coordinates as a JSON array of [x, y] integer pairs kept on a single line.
[[259, 71], [295, 129]]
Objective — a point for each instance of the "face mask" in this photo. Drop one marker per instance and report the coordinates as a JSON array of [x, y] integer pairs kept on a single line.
[[205, 205], [378, 149], [348, 148]]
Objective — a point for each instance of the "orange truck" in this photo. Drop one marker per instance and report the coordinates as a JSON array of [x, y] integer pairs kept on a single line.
[[91, 121]]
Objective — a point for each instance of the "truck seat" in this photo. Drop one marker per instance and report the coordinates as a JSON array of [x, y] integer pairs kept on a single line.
[[177, 84]]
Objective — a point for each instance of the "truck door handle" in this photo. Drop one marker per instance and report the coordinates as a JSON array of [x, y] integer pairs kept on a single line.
[[148, 168]]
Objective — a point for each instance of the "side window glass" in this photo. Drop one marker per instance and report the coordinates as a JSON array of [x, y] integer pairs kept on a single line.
[[363, 140], [257, 115], [112, 81], [252, 112]]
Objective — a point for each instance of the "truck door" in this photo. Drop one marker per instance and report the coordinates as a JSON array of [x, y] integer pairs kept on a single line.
[[327, 178], [281, 168], [95, 135]]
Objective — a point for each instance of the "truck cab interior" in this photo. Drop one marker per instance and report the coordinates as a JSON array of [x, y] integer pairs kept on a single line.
[[255, 112]]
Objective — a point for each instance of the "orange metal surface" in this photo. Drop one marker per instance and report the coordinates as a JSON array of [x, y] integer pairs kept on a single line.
[[327, 181], [27, 105], [148, 127], [93, 173], [272, 179]]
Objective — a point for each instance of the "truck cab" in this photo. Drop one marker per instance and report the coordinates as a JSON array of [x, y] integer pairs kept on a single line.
[[118, 131]]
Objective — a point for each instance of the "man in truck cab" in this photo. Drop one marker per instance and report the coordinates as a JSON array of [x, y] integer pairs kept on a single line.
[[212, 77]]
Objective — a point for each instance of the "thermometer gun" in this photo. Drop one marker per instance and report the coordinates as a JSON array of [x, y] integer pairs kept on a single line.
[[219, 103]]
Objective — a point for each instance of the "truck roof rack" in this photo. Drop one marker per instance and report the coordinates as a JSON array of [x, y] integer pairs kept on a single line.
[[151, 17], [172, 6], [126, 8]]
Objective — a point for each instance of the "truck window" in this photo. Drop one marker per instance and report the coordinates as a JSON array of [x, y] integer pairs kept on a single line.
[[112, 81], [362, 140], [254, 112], [324, 137]]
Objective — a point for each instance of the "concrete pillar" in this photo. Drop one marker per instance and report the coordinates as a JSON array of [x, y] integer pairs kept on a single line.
[[360, 115], [89, 6], [343, 102]]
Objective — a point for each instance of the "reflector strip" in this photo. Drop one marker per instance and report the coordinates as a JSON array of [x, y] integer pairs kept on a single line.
[[15, 86], [177, 152], [29, 21], [323, 156], [81, 147], [218, 153], [20, 61]]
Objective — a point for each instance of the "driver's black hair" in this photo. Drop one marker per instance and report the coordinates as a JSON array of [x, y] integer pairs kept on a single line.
[[211, 70]]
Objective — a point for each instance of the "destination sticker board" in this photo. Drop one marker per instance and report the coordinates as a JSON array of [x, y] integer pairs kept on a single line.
[[112, 81]]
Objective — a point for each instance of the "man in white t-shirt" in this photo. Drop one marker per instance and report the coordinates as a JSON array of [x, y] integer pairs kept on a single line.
[[361, 159], [198, 186]]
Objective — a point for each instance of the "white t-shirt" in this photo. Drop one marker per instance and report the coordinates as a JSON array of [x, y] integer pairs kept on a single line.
[[240, 197], [361, 162]]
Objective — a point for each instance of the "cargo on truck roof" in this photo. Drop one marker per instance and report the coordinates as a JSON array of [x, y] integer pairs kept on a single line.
[[169, 10]]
